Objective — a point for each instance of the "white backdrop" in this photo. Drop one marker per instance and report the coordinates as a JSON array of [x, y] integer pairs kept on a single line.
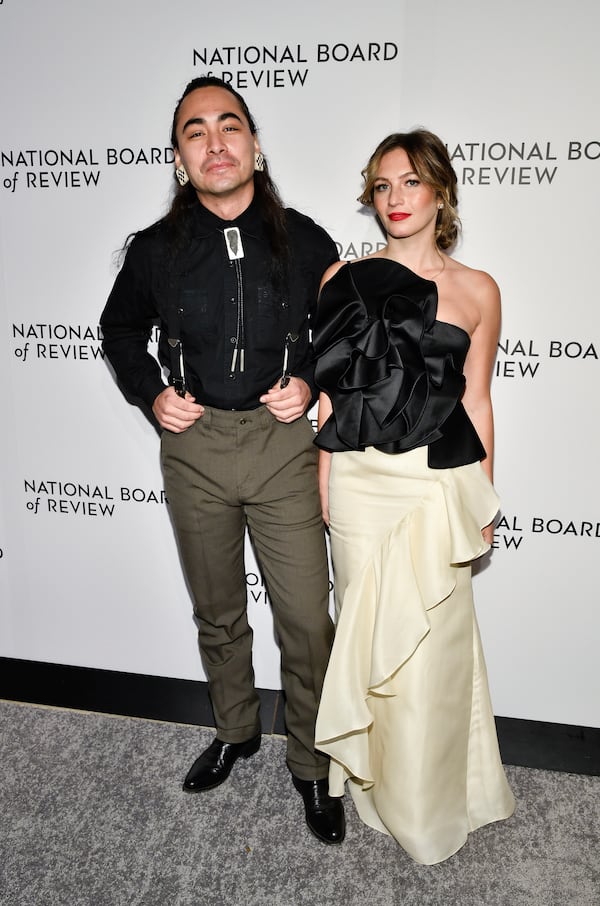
[[89, 573]]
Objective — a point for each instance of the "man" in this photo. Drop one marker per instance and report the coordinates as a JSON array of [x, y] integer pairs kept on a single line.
[[233, 277]]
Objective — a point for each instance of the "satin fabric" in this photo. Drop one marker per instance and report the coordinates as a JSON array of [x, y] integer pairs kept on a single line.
[[392, 371], [405, 713]]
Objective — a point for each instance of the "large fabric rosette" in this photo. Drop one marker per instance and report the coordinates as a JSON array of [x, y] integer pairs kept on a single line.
[[393, 372]]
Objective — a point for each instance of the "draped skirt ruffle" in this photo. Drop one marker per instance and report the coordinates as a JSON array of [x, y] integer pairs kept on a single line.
[[405, 713]]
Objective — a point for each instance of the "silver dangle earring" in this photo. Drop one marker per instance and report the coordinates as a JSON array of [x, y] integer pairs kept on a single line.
[[259, 161], [182, 177]]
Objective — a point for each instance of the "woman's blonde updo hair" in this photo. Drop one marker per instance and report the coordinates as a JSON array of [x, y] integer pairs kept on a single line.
[[429, 158]]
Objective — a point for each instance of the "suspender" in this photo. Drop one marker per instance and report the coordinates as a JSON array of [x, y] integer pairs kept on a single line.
[[174, 312], [175, 273], [176, 350]]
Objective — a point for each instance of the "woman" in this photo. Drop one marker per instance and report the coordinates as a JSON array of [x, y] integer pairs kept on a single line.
[[406, 340]]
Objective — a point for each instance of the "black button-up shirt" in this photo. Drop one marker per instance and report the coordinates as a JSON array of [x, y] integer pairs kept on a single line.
[[209, 289]]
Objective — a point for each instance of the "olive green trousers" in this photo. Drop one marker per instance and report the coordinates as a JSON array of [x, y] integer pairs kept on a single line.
[[230, 471]]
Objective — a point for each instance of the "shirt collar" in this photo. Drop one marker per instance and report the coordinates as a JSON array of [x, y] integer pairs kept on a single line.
[[249, 221]]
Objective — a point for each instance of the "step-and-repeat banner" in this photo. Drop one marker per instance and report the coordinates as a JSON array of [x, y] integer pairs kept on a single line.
[[89, 571]]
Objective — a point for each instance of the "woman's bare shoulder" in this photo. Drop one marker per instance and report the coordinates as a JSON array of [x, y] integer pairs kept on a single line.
[[473, 282]]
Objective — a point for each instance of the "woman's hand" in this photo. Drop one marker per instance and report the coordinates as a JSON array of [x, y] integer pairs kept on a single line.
[[488, 533]]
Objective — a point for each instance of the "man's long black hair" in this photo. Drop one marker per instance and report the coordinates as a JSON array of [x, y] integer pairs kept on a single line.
[[266, 195]]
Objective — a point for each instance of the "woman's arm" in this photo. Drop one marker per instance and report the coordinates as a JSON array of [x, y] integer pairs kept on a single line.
[[479, 364], [478, 370], [324, 411]]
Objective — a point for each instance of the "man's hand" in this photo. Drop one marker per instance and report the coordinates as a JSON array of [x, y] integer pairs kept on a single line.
[[176, 413], [290, 403]]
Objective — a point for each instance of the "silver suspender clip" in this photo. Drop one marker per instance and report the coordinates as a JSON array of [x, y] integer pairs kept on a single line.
[[178, 376], [286, 371]]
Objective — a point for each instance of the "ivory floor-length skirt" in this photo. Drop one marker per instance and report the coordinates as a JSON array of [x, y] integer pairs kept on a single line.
[[405, 713]]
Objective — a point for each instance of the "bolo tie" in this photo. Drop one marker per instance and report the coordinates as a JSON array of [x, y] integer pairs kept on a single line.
[[235, 251]]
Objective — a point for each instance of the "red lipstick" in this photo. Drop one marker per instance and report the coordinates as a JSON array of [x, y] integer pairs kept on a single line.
[[399, 215]]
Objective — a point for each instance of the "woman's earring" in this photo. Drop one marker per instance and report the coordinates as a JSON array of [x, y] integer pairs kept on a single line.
[[259, 161], [440, 206], [182, 177]]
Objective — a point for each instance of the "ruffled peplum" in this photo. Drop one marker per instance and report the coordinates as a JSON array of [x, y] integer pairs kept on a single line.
[[384, 617]]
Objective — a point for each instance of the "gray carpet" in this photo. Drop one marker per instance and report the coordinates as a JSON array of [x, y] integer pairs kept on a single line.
[[92, 812]]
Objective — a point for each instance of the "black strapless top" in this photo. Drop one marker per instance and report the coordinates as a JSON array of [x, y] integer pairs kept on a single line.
[[393, 373]]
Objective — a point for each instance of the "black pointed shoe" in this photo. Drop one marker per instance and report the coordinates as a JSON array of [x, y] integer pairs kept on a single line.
[[215, 764], [324, 813]]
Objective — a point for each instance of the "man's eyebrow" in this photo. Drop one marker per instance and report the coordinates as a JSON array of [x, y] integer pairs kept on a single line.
[[200, 121]]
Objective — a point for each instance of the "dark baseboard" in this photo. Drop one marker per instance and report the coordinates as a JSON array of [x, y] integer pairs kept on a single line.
[[128, 694], [549, 746], [529, 743]]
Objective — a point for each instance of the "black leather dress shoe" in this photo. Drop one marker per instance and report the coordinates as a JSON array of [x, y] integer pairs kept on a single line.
[[324, 813], [215, 764]]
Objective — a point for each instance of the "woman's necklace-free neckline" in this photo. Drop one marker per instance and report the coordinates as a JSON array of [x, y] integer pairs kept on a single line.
[[434, 276]]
